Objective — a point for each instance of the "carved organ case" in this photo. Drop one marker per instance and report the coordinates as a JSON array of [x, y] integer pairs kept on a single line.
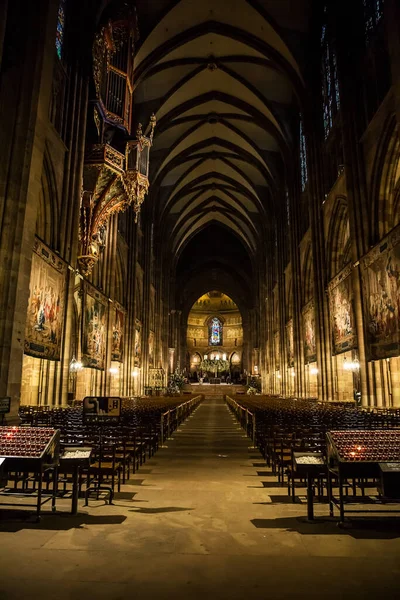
[[116, 166]]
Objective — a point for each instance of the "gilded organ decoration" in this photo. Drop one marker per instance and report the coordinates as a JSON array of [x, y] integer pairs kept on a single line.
[[381, 294], [111, 183], [45, 315], [112, 180], [341, 312]]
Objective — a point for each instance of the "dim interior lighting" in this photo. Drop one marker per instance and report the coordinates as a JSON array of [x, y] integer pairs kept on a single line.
[[113, 370], [351, 365], [224, 356], [255, 368], [314, 371]]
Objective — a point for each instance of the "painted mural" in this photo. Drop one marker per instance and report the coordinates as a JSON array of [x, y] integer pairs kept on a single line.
[[381, 294], [341, 312], [118, 324], [46, 305], [94, 330], [290, 343], [151, 348], [310, 348], [138, 344]]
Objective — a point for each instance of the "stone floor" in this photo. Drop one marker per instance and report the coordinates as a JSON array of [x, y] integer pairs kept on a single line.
[[203, 518]]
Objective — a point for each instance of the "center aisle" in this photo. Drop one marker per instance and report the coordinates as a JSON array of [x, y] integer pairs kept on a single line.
[[203, 519]]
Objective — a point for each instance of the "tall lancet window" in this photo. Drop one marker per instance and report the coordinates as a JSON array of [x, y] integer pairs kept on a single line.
[[60, 28], [303, 158], [215, 334], [373, 13], [330, 83]]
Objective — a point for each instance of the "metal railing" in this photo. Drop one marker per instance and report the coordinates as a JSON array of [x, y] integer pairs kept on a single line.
[[246, 418], [170, 422]]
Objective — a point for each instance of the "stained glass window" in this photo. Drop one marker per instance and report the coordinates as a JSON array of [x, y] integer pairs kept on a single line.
[[215, 332], [60, 28], [303, 158], [373, 13], [330, 83]]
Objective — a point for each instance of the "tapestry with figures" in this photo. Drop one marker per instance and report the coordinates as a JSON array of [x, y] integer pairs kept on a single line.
[[310, 347], [46, 304], [341, 312], [380, 270], [118, 324], [290, 343], [94, 328]]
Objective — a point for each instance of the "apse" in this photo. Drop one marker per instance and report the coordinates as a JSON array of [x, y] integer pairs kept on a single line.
[[214, 339]]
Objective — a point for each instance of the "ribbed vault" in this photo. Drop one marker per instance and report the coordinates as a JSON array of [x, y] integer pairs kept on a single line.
[[224, 84]]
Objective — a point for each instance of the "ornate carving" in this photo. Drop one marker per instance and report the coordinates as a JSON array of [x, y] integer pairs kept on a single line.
[[136, 187], [111, 183]]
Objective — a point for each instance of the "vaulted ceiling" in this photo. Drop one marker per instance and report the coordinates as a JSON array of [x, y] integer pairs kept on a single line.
[[223, 79]]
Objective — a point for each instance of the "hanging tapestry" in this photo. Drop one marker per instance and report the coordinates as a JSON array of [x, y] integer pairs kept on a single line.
[[94, 329], [138, 344], [45, 315], [277, 351], [151, 348], [118, 321], [381, 294], [310, 348], [341, 312], [290, 343]]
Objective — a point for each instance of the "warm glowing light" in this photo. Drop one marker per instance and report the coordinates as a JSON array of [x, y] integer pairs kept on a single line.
[[135, 373], [314, 371], [212, 356], [293, 374], [279, 376], [205, 357], [224, 356], [113, 370], [351, 365]]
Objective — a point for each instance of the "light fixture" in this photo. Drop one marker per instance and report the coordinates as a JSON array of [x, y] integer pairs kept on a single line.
[[113, 370], [278, 376], [256, 369], [217, 356], [75, 365], [135, 372], [205, 357], [293, 374], [314, 371], [351, 365], [224, 356], [212, 356]]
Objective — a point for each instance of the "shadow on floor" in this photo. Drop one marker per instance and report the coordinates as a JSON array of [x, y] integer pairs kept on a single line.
[[162, 509], [358, 528], [15, 520]]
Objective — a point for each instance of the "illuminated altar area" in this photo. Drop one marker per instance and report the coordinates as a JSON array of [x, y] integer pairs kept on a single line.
[[214, 340]]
